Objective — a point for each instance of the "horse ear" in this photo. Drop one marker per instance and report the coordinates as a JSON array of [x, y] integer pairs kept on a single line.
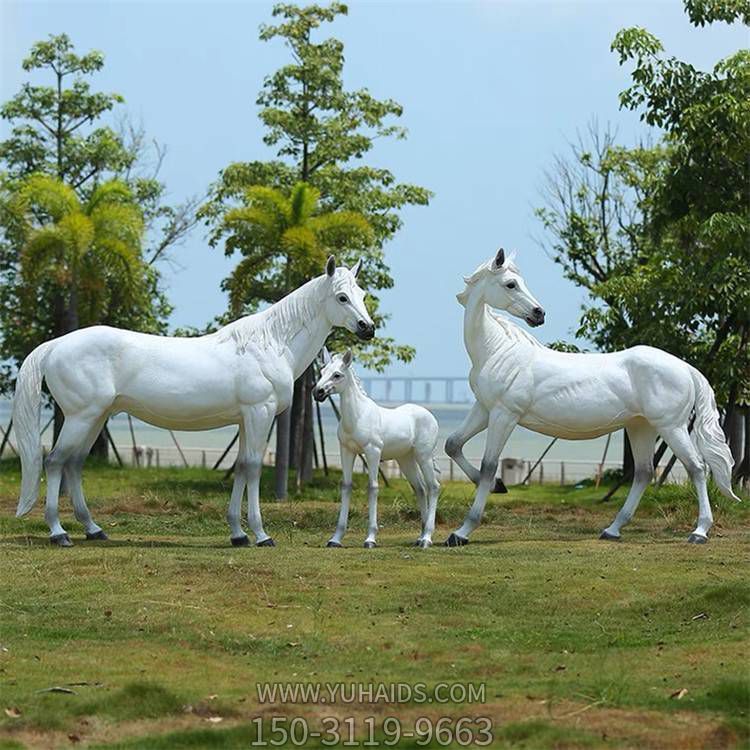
[[326, 355], [347, 360], [356, 268], [500, 258], [331, 265]]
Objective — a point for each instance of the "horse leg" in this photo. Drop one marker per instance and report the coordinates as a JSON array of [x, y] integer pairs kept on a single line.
[[410, 470], [74, 477], [237, 536], [372, 454], [71, 438], [501, 424], [257, 421], [347, 467], [678, 439], [427, 467], [642, 438], [474, 422]]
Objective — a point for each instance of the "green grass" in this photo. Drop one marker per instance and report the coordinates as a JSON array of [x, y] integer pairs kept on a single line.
[[163, 632]]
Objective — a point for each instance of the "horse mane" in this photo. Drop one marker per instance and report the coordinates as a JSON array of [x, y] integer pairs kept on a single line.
[[358, 383], [275, 326], [481, 272]]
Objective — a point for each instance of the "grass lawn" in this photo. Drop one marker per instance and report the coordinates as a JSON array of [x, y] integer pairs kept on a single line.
[[162, 633]]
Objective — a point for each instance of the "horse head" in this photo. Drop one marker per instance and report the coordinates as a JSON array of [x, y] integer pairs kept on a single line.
[[333, 376], [345, 302], [503, 288]]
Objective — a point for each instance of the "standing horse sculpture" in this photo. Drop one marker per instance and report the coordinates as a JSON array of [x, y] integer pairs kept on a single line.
[[242, 374], [407, 434], [516, 380]]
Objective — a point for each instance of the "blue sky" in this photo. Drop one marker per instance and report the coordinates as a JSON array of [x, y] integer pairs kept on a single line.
[[491, 92]]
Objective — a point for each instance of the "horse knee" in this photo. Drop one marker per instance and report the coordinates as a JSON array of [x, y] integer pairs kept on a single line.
[[488, 469], [453, 445], [643, 474]]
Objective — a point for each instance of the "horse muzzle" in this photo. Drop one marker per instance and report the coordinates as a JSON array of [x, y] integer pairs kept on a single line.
[[536, 318], [365, 331], [320, 394]]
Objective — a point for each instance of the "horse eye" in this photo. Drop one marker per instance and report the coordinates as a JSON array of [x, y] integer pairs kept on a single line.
[[343, 299], [511, 285], [337, 376]]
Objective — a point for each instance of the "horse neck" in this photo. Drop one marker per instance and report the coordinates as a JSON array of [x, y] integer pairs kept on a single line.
[[475, 326], [305, 325], [485, 336], [353, 400]]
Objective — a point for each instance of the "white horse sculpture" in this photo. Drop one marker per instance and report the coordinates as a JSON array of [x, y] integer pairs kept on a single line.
[[516, 380], [407, 434], [243, 374]]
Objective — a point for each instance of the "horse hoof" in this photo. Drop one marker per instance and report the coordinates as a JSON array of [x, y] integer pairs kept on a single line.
[[97, 536], [610, 537], [331, 543], [61, 540], [266, 543], [369, 545], [424, 543], [697, 539], [240, 541], [454, 540], [499, 488]]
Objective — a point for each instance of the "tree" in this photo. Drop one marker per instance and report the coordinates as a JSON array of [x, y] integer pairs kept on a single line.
[[659, 236], [284, 243], [56, 130], [89, 250], [321, 131]]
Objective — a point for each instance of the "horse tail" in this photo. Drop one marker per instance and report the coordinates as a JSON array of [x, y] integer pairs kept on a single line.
[[27, 404], [709, 436]]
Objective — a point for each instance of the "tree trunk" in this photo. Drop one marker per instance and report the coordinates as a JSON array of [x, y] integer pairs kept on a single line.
[[298, 415], [745, 469], [308, 437], [627, 456], [283, 430], [734, 431]]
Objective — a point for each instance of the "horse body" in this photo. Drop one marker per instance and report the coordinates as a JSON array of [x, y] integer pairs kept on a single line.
[[579, 396], [407, 434], [243, 374], [153, 377]]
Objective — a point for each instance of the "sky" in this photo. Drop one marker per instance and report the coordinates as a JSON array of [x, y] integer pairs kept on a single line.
[[491, 91]]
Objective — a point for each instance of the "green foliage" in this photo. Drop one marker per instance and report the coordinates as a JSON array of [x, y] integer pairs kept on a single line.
[[89, 252], [284, 241], [660, 235], [321, 132], [83, 180], [48, 136], [702, 12]]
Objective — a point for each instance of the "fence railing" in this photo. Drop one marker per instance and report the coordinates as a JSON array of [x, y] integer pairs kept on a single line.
[[547, 471]]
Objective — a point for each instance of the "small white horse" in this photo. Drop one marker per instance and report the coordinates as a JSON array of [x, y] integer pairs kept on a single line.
[[243, 374], [407, 434], [516, 380]]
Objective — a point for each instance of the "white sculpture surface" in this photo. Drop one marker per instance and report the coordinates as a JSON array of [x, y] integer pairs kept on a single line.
[[242, 374], [407, 433], [517, 380]]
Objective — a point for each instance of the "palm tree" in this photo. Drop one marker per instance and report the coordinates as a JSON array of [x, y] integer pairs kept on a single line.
[[87, 251], [84, 249], [285, 240]]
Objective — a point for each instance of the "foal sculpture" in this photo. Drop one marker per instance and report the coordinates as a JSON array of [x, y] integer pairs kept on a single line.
[[516, 380], [242, 374], [407, 434]]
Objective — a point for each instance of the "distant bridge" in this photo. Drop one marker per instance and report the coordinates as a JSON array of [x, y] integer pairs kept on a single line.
[[424, 390]]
